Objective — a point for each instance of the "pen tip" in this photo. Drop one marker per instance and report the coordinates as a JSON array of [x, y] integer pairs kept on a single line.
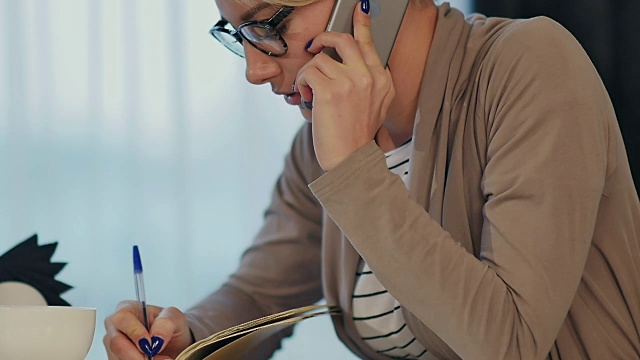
[[137, 263]]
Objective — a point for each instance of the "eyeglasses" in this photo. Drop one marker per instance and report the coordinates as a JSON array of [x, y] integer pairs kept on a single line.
[[261, 34]]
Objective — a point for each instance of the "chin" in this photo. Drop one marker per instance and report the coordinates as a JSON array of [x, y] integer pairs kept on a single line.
[[306, 114]]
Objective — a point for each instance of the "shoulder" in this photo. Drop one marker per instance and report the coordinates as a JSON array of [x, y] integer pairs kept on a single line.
[[536, 53], [535, 65], [539, 38], [534, 76]]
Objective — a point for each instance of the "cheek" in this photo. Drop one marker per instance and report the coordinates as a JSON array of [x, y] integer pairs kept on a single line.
[[295, 60], [297, 52], [300, 33]]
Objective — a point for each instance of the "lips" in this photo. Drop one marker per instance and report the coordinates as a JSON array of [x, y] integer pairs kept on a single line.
[[292, 99]]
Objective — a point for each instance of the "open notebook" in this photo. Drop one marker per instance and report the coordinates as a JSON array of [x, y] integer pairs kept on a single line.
[[235, 342]]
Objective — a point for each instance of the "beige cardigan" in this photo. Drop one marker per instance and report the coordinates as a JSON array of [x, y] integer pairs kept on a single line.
[[518, 236]]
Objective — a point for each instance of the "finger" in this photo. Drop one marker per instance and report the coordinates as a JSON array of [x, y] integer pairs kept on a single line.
[[345, 45], [119, 347], [128, 320], [169, 324], [362, 34], [327, 66], [309, 81], [389, 95], [330, 68], [106, 342], [301, 85]]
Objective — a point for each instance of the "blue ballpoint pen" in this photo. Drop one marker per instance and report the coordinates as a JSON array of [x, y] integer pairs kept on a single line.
[[139, 281]]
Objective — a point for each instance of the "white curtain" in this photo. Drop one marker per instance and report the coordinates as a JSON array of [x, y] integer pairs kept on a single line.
[[124, 122]]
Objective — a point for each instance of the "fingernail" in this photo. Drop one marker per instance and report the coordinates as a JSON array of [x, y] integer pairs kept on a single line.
[[156, 345], [308, 105], [293, 87], [308, 44], [145, 346], [364, 5]]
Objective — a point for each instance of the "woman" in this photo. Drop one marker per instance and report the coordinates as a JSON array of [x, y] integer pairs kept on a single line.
[[501, 224]]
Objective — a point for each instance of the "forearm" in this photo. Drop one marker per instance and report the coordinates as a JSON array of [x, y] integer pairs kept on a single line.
[[507, 304]]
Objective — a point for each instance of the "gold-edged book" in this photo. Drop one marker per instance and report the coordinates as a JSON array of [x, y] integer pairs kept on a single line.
[[236, 342]]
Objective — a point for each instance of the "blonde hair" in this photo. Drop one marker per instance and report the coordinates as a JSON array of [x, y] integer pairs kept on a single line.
[[296, 3], [289, 2]]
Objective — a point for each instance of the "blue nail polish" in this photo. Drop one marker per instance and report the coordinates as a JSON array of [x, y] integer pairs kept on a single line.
[[156, 345], [145, 346], [308, 44], [364, 5], [293, 87]]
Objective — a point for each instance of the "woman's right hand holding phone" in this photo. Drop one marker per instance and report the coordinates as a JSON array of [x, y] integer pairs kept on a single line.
[[350, 99], [128, 339]]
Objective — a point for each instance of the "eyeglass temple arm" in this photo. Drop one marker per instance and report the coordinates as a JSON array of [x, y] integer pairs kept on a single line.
[[279, 16]]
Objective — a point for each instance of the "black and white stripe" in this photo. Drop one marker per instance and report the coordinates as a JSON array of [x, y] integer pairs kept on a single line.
[[377, 315]]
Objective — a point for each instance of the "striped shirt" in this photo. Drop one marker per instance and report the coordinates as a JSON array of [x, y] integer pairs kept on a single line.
[[377, 315]]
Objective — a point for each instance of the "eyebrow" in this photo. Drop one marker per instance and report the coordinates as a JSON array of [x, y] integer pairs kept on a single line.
[[249, 14]]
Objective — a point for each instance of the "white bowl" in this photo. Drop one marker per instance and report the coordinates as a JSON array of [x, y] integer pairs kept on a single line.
[[46, 332]]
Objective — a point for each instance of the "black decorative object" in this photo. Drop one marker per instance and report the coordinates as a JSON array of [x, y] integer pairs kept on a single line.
[[31, 264]]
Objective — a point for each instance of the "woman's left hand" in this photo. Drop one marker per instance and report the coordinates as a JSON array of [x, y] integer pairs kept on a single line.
[[350, 99]]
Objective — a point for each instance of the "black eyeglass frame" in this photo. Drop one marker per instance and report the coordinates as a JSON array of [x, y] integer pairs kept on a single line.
[[270, 24]]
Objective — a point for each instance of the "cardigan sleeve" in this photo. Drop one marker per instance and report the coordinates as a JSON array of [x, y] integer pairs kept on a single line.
[[281, 270], [546, 113]]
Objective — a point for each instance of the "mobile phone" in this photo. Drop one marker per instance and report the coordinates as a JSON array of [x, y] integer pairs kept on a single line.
[[386, 17]]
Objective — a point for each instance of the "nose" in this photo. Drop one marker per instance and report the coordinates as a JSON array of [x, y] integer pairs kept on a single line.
[[260, 66]]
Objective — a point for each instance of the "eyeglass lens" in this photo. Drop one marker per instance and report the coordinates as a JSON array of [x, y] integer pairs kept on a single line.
[[229, 41], [264, 38]]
